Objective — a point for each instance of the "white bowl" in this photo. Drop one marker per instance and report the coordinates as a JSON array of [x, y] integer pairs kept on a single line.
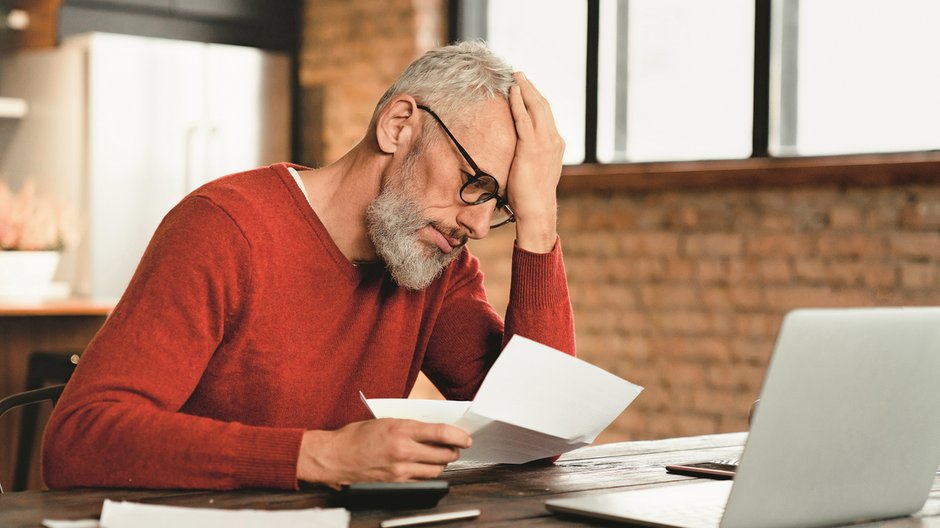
[[27, 275]]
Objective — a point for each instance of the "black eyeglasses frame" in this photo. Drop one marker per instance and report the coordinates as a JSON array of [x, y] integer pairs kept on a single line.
[[478, 175]]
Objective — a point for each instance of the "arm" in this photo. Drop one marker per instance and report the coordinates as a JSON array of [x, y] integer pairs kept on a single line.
[[539, 305], [118, 423]]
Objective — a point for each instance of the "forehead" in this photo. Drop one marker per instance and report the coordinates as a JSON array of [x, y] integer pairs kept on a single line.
[[489, 136]]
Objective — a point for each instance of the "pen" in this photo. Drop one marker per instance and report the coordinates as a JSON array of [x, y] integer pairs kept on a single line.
[[430, 518]]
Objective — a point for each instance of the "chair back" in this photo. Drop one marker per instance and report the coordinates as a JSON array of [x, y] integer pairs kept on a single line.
[[30, 397]]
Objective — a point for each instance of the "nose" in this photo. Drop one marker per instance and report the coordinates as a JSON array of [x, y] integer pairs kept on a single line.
[[475, 219]]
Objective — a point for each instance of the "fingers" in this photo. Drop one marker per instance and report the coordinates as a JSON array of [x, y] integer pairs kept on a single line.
[[535, 103], [520, 115], [379, 450], [442, 434]]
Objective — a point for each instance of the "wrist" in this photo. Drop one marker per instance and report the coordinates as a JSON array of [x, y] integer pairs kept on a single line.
[[312, 463], [536, 237]]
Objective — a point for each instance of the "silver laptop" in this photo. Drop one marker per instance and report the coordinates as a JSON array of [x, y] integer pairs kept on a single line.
[[848, 429]]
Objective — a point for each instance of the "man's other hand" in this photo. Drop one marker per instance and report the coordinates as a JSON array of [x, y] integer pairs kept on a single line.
[[383, 450]]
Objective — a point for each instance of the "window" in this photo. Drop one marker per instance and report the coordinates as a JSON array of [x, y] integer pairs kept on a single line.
[[550, 47], [724, 79], [676, 80], [856, 76]]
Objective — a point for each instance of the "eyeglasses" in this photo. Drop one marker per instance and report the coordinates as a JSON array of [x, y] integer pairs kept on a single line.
[[481, 187]]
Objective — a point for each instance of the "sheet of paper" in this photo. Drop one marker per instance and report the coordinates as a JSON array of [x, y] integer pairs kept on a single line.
[[539, 388], [135, 515], [536, 402], [430, 411]]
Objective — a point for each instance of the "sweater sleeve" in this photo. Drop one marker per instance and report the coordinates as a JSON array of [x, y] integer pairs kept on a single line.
[[119, 422], [469, 334]]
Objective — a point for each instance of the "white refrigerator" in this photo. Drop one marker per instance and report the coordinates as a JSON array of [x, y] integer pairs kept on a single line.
[[120, 128]]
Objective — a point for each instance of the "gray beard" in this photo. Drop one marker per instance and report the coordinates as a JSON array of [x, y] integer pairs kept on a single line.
[[393, 220]]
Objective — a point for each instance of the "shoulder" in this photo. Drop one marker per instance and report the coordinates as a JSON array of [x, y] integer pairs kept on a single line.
[[255, 200], [252, 189]]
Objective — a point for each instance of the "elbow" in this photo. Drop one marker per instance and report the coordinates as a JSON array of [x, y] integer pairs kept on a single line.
[[59, 461]]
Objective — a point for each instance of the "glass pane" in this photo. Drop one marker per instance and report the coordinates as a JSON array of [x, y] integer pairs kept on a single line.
[[547, 39], [676, 79], [856, 76]]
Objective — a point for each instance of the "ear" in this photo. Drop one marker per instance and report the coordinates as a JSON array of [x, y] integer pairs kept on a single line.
[[395, 127]]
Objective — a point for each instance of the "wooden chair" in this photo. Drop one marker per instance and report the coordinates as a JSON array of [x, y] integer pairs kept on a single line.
[[29, 397]]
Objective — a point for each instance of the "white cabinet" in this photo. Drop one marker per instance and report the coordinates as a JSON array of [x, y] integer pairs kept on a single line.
[[157, 119]]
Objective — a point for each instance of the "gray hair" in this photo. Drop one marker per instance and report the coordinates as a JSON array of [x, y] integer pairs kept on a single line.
[[451, 78]]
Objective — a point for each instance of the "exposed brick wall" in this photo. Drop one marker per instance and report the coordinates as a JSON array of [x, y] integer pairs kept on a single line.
[[352, 51], [680, 291], [683, 292]]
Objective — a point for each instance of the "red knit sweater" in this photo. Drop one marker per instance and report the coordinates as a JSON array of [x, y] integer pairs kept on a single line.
[[244, 325]]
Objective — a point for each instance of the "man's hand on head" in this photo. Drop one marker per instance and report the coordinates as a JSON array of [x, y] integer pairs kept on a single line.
[[383, 450], [536, 167]]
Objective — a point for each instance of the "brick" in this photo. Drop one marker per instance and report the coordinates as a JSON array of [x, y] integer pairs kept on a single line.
[[883, 215], [600, 244], [732, 423], [775, 221], [810, 270], [685, 373], [669, 296], [846, 273], [680, 270], [649, 243], [637, 349], [711, 270], [754, 350], [851, 245], [781, 244], [711, 349], [713, 244], [695, 424], [717, 219], [845, 217], [908, 244], [764, 271], [732, 297], [698, 350], [775, 271], [715, 402], [756, 325], [921, 215], [882, 276], [919, 276], [684, 218], [789, 298], [690, 323], [654, 400]]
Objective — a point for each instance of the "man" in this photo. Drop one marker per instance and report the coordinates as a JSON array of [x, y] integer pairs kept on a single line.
[[267, 299]]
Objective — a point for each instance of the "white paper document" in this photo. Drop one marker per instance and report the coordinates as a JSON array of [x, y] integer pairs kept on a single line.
[[135, 515], [536, 402]]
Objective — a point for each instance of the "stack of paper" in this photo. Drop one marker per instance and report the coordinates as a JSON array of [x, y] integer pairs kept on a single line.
[[536, 402]]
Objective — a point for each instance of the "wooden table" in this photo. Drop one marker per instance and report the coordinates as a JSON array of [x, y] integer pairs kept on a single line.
[[507, 495], [25, 327]]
